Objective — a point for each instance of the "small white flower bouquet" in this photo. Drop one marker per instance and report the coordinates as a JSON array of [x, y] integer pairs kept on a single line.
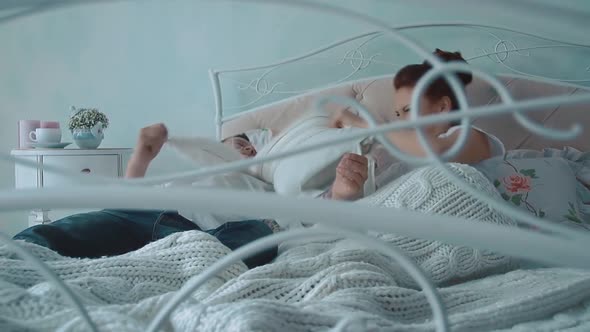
[[86, 118]]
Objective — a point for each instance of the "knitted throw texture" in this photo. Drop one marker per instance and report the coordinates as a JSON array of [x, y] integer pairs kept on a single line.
[[311, 286]]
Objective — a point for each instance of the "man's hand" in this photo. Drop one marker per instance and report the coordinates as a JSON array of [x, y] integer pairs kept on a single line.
[[351, 174], [150, 142]]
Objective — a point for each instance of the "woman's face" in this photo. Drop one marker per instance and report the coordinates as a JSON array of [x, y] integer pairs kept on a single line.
[[402, 99], [244, 147]]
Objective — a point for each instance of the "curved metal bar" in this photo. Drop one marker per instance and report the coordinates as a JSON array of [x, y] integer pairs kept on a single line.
[[540, 79], [400, 28], [364, 18], [520, 49], [555, 134], [503, 64], [486, 54], [459, 91], [476, 112], [214, 79], [45, 271], [506, 98], [528, 34], [502, 60], [234, 116], [459, 144], [451, 79], [376, 34], [432, 296], [562, 83], [365, 114], [41, 6], [515, 242], [299, 57], [359, 17], [27, 12], [576, 258], [532, 105]]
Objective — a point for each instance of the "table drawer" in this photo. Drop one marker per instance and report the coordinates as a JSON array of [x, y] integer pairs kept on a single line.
[[105, 165]]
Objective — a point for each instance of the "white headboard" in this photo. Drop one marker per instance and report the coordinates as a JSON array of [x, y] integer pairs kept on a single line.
[[354, 67], [377, 96]]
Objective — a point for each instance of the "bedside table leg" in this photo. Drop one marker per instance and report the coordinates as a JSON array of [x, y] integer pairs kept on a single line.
[[37, 217]]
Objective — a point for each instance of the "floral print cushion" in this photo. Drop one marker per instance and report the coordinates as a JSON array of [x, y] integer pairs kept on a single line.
[[545, 187]]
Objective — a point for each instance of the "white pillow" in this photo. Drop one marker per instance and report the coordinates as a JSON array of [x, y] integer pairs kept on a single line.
[[310, 171]]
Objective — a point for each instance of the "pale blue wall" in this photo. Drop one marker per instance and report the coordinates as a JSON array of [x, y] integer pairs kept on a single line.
[[146, 61]]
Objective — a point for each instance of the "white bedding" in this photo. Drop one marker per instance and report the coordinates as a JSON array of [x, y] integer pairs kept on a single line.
[[310, 287], [307, 173], [206, 152]]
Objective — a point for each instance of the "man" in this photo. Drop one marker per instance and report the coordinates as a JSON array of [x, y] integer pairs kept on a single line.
[[114, 232], [242, 144]]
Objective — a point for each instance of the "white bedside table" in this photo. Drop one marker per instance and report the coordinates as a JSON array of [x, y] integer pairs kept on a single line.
[[105, 162]]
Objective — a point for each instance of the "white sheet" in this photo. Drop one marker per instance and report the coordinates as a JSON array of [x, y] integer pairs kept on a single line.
[[206, 152]]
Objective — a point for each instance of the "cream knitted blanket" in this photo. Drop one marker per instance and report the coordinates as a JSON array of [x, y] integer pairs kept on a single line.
[[311, 286]]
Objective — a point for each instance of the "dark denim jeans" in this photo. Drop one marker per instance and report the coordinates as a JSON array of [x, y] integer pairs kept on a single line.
[[115, 232]]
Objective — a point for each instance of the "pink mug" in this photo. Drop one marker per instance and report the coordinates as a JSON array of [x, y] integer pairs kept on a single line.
[[49, 124], [24, 128]]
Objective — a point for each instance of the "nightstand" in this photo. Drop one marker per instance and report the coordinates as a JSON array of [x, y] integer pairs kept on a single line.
[[105, 162]]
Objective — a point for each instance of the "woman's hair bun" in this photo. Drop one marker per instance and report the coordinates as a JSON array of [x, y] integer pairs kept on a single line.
[[447, 56]]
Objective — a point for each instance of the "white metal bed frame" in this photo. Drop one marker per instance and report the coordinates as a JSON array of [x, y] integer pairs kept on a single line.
[[357, 60], [127, 193]]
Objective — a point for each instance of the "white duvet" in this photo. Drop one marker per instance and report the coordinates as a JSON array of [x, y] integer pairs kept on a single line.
[[311, 286]]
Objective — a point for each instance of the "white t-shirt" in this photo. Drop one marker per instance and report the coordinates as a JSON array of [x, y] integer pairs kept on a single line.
[[388, 168]]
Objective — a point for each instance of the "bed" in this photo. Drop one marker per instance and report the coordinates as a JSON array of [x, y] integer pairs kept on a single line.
[[486, 258]]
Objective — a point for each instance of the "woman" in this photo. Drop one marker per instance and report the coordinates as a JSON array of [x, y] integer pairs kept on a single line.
[[438, 98]]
